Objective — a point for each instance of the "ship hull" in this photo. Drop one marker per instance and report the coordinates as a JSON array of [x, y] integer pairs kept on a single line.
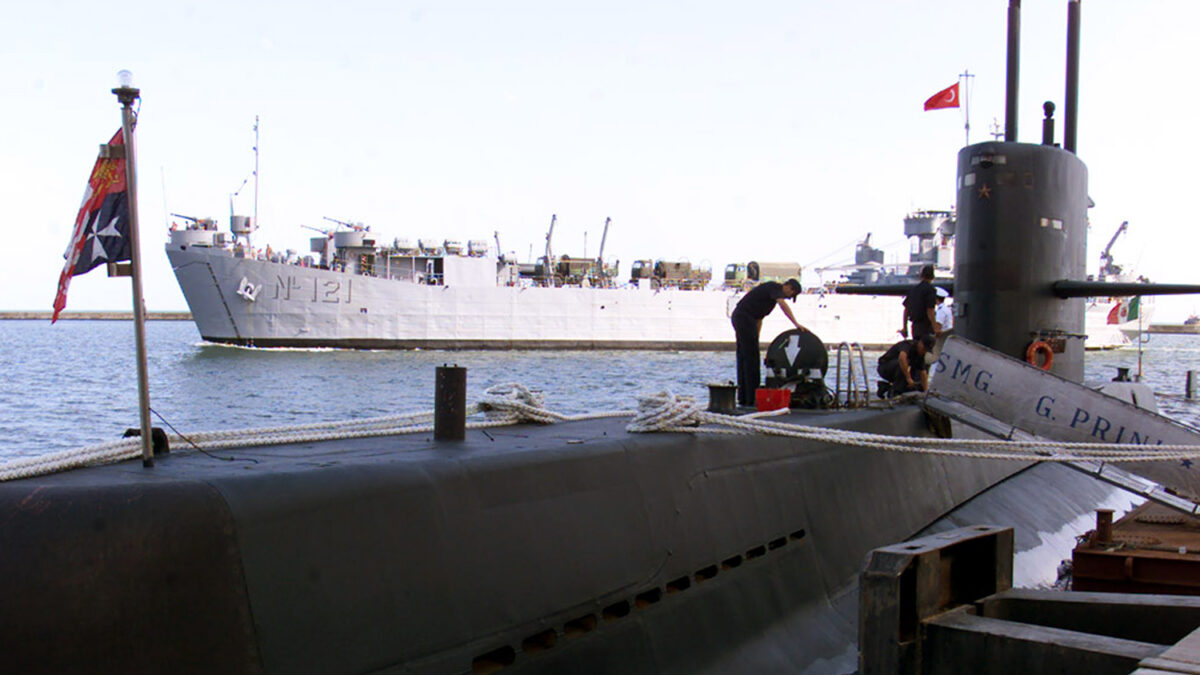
[[307, 307], [310, 307]]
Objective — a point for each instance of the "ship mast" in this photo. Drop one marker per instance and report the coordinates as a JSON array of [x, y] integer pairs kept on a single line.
[[241, 226], [965, 78], [255, 225]]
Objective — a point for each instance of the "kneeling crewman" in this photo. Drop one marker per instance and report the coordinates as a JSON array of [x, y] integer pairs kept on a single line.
[[904, 367]]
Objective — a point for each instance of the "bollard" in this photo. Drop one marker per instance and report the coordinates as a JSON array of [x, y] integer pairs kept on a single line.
[[722, 398], [158, 439], [1104, 524], [1193, 384], [450, 404]]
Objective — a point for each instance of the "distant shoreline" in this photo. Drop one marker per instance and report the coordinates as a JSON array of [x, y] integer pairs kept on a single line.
[[1174, 328], [96, 316]]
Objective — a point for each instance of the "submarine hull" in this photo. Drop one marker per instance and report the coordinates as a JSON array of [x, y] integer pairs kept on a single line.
[[517, 549], [527, 549]]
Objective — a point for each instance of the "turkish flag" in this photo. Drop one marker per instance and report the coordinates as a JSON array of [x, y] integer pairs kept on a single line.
[[946, 98]]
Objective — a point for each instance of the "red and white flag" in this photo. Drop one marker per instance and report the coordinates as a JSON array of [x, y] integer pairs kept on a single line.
[[101, 232], [946, 98]]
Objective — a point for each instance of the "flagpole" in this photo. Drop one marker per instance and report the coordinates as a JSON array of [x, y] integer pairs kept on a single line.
[[127, 94], [965, 77]]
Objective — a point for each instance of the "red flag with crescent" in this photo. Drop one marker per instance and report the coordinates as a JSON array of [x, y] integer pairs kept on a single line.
[[101, 233], [946, 98]]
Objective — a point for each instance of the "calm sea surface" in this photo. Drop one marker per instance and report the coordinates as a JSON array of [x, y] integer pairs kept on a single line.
[[74, 383]]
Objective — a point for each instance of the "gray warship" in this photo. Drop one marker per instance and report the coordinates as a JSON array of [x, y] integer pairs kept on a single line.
[[577, 547]]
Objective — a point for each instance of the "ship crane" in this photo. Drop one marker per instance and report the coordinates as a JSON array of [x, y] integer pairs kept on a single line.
[[548, 267], [1107, 267], [499, 251], [603, 239]]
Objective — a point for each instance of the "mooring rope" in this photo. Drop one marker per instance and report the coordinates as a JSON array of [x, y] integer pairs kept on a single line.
[[664, 411], [501, 405], [508, 404]]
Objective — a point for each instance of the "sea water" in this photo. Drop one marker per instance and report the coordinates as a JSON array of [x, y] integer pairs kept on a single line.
[[74, 383]]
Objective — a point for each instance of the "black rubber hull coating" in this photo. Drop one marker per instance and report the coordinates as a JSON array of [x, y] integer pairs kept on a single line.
[[568, 548]]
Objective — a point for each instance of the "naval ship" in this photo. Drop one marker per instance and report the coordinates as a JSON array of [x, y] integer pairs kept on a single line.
[[353, 290], [356, 291]]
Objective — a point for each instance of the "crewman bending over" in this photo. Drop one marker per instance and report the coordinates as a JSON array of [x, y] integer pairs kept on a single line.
[[747, 323], [903, 366]]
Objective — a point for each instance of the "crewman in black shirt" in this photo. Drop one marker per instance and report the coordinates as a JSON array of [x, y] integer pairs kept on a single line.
[[747, 323], [919, 306], [903, 365]]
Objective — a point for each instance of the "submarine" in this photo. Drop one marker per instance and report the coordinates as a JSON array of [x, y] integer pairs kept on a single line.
[[578, 547]]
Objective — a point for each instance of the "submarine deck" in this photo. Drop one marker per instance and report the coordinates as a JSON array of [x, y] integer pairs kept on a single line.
[[532, 547]]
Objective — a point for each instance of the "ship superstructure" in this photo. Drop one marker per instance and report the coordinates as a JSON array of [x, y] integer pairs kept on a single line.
[[355, 289], [351, 291]]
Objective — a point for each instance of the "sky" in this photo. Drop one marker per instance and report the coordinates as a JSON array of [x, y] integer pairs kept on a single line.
[[711, 132]]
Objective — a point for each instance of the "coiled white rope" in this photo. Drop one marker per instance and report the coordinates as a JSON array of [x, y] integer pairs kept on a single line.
[[508, 404]]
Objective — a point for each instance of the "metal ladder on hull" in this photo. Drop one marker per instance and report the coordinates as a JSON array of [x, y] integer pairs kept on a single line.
[[855, 397]]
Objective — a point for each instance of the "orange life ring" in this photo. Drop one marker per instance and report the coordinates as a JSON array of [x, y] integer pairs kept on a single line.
[[1040, 347]]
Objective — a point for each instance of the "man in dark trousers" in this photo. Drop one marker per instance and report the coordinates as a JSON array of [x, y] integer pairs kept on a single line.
[[919, 306], [747, 323], [904, 367]]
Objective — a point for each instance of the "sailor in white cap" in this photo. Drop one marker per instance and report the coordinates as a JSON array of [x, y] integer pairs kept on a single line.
[[944, 314]]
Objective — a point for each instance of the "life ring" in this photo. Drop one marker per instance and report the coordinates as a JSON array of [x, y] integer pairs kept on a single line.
[[1040, 347]]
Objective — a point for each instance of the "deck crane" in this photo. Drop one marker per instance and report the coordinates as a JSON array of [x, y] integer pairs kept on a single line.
[[603, 239], [1107, 267], [548, 267], [499, 251]]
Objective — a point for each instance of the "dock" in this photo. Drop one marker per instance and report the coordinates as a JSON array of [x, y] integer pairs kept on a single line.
[[945, 604], [1173, 329], [1152, 549]]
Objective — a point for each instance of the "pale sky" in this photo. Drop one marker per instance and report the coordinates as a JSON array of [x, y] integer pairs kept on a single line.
[[712, 132]]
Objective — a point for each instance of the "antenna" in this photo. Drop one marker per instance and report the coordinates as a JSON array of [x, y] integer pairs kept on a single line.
[[256, 171], [966, 80], [240, 225]]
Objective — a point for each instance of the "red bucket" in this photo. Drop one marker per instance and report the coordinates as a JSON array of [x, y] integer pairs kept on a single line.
[[772, 399]]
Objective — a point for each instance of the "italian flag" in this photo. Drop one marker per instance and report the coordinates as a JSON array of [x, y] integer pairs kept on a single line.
[[1125, 310]]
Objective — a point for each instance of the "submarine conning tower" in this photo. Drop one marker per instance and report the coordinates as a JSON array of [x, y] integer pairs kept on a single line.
[[1022, 226]]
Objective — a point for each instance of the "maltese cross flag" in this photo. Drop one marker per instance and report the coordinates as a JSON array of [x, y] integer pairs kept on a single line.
[[101, 232], [946, 98]]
